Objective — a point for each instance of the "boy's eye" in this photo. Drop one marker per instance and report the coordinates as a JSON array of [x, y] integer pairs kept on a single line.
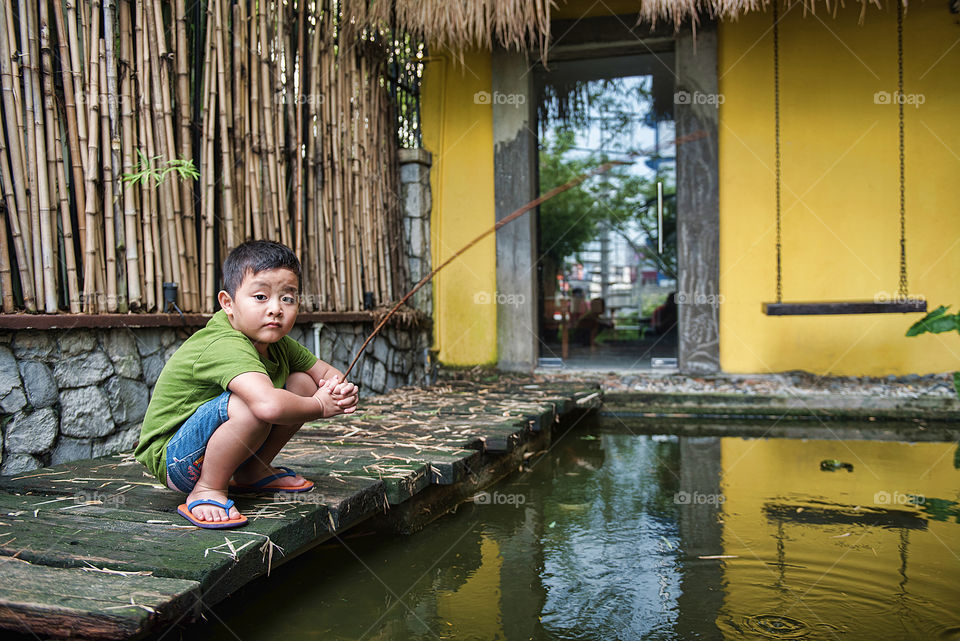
[[260, 296], [290, 300]]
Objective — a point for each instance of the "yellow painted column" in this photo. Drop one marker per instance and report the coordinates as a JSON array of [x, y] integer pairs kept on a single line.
[[457, 121]]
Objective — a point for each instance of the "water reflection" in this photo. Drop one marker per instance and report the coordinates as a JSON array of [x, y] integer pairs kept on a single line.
[[617, 536]]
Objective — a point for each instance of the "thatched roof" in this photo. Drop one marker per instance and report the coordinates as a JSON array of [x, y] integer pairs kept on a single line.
[[458, 25]]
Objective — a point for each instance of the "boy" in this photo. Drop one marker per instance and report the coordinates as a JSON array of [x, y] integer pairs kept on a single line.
[[236, 391]]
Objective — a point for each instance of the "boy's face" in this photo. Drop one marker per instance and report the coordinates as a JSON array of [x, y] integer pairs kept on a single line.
[[264, 307]]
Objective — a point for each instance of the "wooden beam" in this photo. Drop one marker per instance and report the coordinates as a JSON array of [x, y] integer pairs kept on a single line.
[[73, 321]]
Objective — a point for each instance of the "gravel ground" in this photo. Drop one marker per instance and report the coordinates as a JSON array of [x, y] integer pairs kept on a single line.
[[783, 384]]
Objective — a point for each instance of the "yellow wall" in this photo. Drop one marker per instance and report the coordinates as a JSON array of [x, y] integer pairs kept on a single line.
[[459, 133], [840, 188]]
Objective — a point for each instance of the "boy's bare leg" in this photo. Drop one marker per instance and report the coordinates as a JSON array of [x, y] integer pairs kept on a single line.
[[259, 466], [230, 445]]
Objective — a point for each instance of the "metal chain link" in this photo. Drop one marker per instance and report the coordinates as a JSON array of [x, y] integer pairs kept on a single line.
[[776, 116], [902, 290]]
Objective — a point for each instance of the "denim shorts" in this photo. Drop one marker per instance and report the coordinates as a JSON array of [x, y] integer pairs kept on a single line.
[[185, 450]]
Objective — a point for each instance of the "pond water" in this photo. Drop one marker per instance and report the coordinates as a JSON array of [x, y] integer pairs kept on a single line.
[[619, 535]]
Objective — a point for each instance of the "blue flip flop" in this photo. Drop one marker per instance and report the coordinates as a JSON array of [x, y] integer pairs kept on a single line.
[[263, 485], [186, 511]]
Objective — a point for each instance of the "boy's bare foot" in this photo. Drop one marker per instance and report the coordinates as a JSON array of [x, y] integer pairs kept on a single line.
[[206, 512], [255, 471]]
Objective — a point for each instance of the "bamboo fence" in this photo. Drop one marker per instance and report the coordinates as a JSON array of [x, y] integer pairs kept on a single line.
[[282, 108]]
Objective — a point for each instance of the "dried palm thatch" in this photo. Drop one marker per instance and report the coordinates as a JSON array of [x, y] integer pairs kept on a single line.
[[463, 24], [525, 24]]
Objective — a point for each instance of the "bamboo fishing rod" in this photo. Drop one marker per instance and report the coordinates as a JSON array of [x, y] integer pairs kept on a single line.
[[513, 216]]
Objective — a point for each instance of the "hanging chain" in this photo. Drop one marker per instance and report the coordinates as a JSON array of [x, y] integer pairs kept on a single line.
[[776, 118], [902, 291]]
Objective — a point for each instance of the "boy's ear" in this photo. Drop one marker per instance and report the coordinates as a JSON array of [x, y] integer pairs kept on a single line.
[[225, 302]]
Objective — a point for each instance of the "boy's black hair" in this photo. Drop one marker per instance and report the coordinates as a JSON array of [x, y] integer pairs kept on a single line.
[[256, 256]]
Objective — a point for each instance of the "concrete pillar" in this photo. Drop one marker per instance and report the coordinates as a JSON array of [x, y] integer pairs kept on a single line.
[[416, 202], [515, 184], [698, 208]]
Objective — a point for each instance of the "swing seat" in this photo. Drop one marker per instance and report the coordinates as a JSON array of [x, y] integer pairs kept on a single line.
[[824, 308]]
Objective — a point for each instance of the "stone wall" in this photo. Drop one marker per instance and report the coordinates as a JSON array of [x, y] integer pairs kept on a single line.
[[81, 393]]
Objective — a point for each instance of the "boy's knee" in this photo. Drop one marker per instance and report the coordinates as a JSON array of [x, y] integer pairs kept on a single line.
[[301, 383], [238, 411]]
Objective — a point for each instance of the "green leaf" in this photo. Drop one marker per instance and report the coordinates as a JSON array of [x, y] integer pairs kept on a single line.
[[936, 322]]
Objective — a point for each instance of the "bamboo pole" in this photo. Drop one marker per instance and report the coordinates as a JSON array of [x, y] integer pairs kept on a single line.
[[29, 57], [90, 301], [79, 89], [15, 190], [156, 131], [109, 230], [72, 293], [253, 143], [186, 150], [166, 147], [283, 108], [46, 167], [299, 107], [237, 117], [222, 100], [149, 229], [131, 242], [116, 235], [6, 278], [268, 104], [72, 88], [207, 202]]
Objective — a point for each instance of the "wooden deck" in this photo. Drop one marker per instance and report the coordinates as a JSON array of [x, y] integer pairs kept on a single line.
[[95, 549]]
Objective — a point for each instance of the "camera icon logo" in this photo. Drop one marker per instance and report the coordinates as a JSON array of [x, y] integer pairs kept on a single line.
[[682, 98], [882, 98], [482, 98], [482, 298], [481, 498]]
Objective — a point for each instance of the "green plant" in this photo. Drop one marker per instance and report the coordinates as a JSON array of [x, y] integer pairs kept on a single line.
[[145, 170], [937, 322]]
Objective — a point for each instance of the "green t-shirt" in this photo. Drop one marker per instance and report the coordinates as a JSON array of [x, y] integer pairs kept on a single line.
[[199, 371]]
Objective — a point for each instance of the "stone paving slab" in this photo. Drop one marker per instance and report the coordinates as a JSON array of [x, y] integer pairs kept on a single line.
[[110, 517]]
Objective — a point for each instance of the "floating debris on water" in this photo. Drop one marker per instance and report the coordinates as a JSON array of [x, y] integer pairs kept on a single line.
[[832, 465]]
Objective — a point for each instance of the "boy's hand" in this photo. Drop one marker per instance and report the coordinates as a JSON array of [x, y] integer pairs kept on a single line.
[[336, 398], [324, 396], [346, 396]]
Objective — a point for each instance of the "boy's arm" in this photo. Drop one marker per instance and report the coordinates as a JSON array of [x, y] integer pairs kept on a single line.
[[323, 371], [274, 405]]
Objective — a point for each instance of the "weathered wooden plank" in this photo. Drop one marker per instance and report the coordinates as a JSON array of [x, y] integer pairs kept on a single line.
[[88, 604]]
